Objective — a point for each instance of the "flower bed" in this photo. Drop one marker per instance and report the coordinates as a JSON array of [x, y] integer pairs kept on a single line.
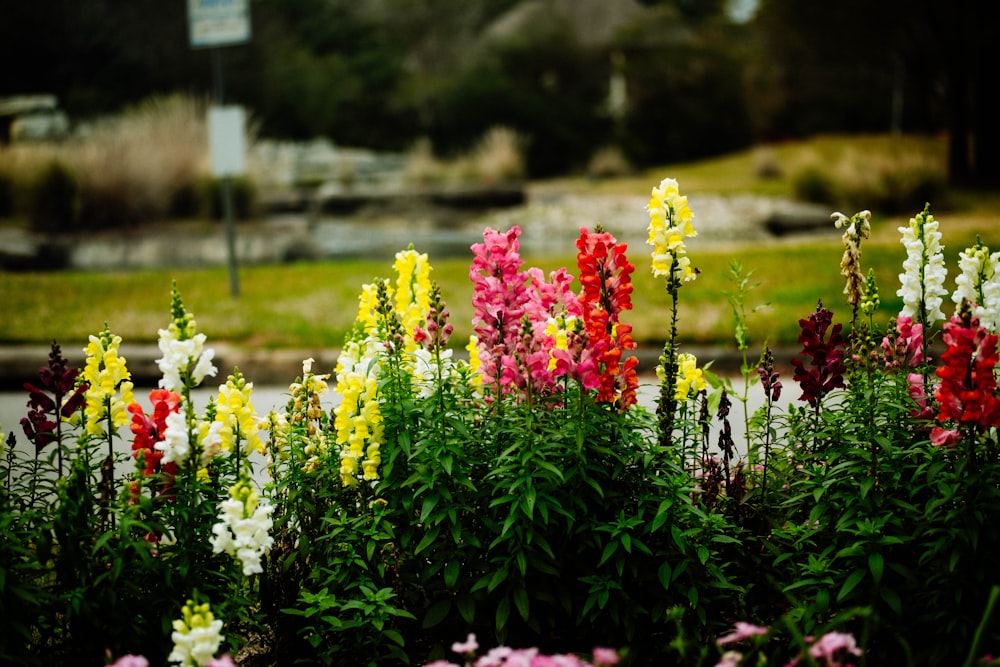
[[523, 495]]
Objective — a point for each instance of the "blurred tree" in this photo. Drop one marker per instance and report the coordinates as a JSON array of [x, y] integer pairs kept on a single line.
[[859, 66], [537, 79], [685, 86]]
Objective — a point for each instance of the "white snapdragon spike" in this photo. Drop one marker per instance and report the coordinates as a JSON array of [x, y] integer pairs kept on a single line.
[[197, 636], [180, 355], [924, 271], [979, 284], [425, 370], [176, 446], [243, 530]]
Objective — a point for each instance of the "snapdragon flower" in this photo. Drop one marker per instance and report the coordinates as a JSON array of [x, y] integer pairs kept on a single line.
[[235, 411], [243, 530], [185, 357], [689, 376], [197, 636], [109, 390], [176, 443], [979, 284], [856, 228], [413, 290], [606, 293], [670, 222], [358, 419], [922, 281]]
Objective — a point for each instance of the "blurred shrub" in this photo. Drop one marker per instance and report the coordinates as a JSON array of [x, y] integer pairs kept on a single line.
[[244, 197], [496, 158], [53, 199], [889, 181], [609, 162], [814, 184], [148, 164]]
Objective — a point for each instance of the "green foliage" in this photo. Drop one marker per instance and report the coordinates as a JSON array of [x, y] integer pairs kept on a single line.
[[428, 504]]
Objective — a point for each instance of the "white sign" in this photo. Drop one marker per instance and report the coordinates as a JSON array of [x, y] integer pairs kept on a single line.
[[218, 22], [226, 140]]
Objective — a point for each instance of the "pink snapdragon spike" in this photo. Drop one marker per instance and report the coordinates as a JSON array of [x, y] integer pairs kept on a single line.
[[505, 656], [130, 661], [834, 648], [499, 299], [907, 349], [512, 311], [741, 632], [470, 645]]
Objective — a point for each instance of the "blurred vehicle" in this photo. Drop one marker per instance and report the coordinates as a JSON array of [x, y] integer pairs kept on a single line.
[[31, 118]]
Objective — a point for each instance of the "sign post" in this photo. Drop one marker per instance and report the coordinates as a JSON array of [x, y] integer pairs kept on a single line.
[[213, 24]]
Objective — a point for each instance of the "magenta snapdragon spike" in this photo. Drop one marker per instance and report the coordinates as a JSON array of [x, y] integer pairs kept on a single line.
[[56, 399], [499, 295], [825, 356]]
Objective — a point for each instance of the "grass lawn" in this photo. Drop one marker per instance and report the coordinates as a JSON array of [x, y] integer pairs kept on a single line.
[[312, 305]]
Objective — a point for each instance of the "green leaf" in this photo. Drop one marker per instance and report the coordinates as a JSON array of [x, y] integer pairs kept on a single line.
[[678, 536], [503, 613], [393, 635], [664, 574], [430, 502], [522, 602], [451, 571], [609, 551], [437, 613], [693, 596], [850, 584], [466, 607], [529, 501], [876, 563], [428, 539], [892, 599], [551, 468], [703, 554]]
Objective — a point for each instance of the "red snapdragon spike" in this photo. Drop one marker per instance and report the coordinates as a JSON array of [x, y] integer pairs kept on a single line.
[[825, 356], [967, 392], [149, 430], [605, 278]]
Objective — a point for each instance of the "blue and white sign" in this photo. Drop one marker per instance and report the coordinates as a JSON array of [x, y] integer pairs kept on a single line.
[[218, 22]]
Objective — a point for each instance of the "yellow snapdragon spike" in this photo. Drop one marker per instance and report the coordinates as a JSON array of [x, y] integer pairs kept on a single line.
[[413, 291], [689, 376], [110, 384], [475, 362]]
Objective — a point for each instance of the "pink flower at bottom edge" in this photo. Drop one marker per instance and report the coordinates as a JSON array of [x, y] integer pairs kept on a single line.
[[130, 661], [740, 632], [605, 656]]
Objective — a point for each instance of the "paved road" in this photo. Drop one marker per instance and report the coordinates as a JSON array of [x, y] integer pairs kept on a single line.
[[266, 398]]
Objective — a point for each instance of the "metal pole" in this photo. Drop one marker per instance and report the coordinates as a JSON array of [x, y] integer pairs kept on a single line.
[[227, 186]]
